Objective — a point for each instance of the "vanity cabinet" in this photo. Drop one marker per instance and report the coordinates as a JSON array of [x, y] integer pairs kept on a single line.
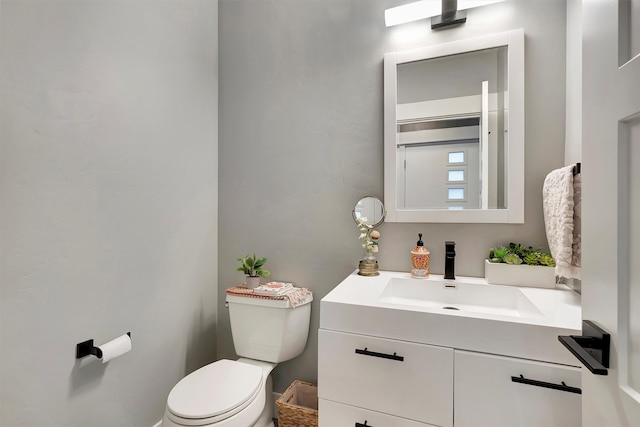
[[391, 355], [398, 378], [337, 415], [487, 395], [403, 384]]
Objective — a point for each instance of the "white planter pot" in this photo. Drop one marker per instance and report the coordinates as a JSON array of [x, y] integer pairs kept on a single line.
[[537, 276], [253, 282]]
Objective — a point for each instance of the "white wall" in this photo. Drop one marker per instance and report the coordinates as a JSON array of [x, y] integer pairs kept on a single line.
[[301, 140], [573, 135], [109, 205]]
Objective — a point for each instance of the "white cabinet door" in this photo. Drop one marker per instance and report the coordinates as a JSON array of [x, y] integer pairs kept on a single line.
[[486, 395], [409, 380], [332, 414]]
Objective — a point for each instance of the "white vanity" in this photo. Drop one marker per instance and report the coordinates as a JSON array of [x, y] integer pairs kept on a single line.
[[402, 352]]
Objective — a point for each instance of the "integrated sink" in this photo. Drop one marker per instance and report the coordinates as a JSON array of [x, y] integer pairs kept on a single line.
[[458, 296], [465, 314]]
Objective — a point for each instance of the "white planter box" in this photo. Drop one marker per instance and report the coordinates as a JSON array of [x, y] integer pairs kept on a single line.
[[538, 276]]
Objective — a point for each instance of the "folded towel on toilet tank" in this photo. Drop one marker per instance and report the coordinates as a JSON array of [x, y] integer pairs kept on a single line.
[[296, 296]]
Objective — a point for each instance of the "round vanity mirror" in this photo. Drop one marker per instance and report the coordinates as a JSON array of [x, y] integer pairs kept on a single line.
[[371, 208]]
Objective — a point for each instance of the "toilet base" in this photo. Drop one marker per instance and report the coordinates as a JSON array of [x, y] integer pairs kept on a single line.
[[266, 417]]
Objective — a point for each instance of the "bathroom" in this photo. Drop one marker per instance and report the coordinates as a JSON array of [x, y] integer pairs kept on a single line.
[[146, 145]]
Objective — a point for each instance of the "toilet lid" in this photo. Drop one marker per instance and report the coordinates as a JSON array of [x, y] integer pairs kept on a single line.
[[214, 389]]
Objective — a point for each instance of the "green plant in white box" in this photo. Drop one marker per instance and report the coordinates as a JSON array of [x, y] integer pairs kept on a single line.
[[519, 265], [516, 254]]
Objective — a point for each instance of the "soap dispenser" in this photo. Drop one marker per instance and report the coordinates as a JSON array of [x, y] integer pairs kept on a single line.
[[420, 259]]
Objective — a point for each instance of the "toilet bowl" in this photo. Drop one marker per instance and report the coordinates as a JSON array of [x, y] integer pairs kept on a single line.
[[225, 393], [239, 393]]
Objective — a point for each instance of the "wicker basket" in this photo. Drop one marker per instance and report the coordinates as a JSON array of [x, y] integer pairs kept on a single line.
[[298, 405]]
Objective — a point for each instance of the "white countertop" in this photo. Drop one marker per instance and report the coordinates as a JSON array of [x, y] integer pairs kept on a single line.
[[363, 305]]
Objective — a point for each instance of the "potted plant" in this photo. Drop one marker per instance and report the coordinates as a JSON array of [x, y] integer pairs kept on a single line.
[[519, 265], [252, 267]]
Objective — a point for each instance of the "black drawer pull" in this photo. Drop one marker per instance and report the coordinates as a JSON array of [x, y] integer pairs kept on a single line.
[[562, 387], [363, 425], [382, 355]]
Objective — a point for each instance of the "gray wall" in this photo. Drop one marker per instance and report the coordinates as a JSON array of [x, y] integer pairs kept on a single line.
[[573, 133], [109, 205], [301, 140]]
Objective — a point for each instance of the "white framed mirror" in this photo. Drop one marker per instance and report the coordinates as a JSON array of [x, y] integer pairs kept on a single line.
[[454, 131]]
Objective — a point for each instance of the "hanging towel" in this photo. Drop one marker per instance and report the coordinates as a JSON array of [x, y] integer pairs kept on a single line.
[[576, 255], [559, 210]]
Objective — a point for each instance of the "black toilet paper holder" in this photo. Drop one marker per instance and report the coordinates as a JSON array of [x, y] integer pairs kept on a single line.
[[86, 348]]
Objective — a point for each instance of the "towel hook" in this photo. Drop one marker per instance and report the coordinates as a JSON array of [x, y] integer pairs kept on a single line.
[[577, 168]]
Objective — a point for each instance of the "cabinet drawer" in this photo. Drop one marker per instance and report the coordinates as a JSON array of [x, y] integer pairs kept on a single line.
[[486, 395], [332, 414], [408, 380]]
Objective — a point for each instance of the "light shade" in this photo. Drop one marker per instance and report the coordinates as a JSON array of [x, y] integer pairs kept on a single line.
[[412, 12], [469, 4], [425, 9]]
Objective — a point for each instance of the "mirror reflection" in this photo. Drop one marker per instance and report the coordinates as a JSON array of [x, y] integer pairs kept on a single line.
[[452, 132], [371, 208]]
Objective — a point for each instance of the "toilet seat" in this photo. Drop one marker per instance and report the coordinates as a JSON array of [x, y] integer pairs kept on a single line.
[[214, 393]]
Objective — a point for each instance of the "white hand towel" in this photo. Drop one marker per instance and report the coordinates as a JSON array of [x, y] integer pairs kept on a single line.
[[576, 256], [558, 205]]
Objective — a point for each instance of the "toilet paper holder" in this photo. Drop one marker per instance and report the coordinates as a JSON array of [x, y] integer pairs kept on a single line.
[[86, 348]]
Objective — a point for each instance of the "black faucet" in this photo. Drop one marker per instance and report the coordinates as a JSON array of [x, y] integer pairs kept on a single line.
[[449, 260]]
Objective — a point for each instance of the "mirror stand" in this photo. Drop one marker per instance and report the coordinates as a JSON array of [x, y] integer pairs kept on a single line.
[[368, 268]]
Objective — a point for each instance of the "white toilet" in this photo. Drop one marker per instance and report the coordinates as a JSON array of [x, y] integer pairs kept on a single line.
[[238, 393]]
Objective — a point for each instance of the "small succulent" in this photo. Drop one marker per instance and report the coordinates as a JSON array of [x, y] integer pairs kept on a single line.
[[498, 253], [532, 258], [546, 259], [517, 254], [512, 259]]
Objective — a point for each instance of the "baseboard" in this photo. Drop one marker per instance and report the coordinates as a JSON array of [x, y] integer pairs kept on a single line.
[[276, 396]]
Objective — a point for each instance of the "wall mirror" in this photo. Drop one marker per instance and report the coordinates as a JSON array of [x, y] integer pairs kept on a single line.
[[454, 131], [371, 208]]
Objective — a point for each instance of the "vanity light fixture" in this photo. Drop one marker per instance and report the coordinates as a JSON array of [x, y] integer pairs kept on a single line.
[[442, 12]]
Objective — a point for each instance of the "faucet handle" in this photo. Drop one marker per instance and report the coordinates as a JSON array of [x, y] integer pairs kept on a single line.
[[450, 247], [449, 260]]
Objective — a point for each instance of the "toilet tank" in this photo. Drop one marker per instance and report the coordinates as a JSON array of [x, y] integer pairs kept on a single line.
[[267, 329]]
